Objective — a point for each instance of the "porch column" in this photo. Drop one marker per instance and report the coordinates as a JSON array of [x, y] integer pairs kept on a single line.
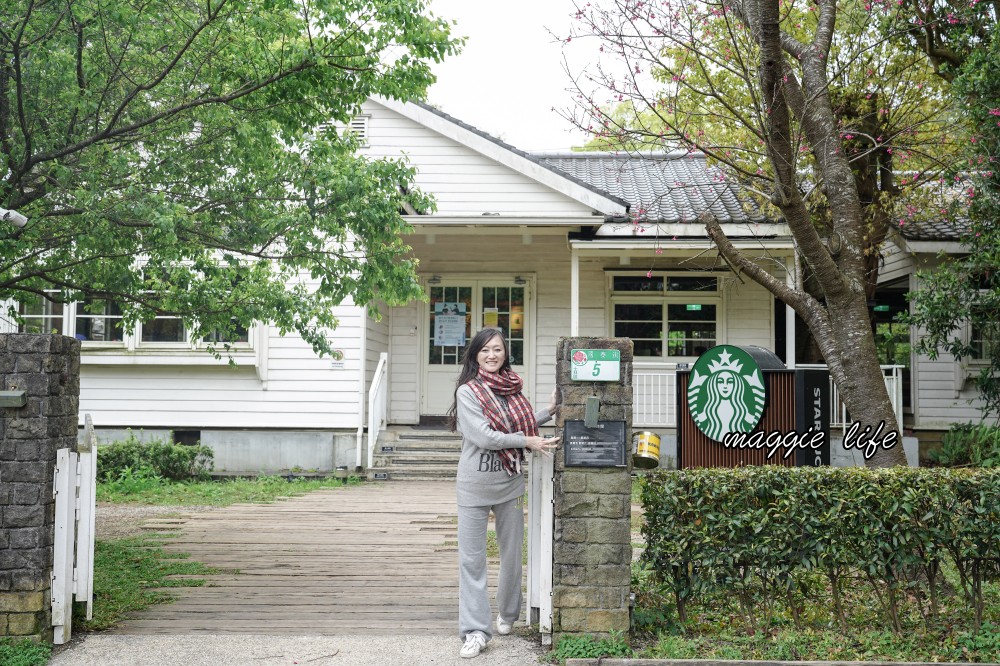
[[791, 268], [574, 293]]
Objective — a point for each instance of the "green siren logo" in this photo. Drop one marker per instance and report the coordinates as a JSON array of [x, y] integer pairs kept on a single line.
[[726, 392]]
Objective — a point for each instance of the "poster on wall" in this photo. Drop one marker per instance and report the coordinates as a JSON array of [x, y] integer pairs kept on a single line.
[[449, 324], [491, 318]]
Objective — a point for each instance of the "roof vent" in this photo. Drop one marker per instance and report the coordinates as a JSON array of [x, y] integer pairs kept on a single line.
[[359, 127]]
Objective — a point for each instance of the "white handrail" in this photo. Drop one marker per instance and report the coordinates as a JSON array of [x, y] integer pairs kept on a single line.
[[377, 404], [892, 375]]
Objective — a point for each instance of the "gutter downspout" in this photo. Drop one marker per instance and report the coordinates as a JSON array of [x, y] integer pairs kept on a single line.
[[363, 380]]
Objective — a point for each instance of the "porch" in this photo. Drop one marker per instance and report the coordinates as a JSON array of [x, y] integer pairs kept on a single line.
[[654, 403]]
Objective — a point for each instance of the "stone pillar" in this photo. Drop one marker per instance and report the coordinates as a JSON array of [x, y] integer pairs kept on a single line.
[[47, 369], [592, 549]]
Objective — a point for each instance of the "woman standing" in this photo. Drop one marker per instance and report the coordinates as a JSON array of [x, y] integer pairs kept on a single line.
[[497, 423]]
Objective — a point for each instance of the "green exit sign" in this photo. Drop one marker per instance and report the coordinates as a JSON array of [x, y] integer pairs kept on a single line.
[[694, 307], [881, 308], [595, 365]]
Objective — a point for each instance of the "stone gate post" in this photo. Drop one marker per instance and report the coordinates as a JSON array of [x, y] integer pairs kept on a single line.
[[43, 373], [592, 550]]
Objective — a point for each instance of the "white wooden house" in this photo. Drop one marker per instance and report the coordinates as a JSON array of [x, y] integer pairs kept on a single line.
[[542, 245], [938, 392]]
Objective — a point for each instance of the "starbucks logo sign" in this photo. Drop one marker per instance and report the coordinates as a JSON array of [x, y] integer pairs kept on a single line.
[[725, 392]]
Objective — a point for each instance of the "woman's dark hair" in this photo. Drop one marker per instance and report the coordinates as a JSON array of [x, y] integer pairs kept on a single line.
[[470, 366]]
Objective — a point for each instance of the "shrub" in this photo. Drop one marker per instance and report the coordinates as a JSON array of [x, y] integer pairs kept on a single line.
[[154, 458], [775, 533], [969, 444]]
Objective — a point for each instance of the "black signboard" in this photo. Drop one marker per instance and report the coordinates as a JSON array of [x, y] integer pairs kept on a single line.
[[603, 446]]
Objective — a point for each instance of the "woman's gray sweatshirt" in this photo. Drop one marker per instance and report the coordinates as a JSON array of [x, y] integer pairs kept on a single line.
[[482, 479]]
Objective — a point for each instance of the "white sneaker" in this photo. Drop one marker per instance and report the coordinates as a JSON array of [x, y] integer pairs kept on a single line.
[[503, 626], [474, 643]]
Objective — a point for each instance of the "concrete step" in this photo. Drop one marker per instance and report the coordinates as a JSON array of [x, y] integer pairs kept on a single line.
[[448, 460], [420, 473], [400, 446]]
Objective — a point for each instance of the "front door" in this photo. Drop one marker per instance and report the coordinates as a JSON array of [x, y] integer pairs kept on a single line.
[[456, 310]]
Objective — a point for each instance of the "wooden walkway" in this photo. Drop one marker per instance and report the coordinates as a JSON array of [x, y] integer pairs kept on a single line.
[[371, 559]]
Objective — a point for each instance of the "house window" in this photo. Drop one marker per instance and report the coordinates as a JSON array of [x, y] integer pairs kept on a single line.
[[666, 316], [982, 341], [99, 321], [164, 330], [241, 335], [41, 316]]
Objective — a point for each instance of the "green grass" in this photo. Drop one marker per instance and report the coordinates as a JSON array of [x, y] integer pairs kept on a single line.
[[830, 645], [130, 574], [146, 489], [23, 652]]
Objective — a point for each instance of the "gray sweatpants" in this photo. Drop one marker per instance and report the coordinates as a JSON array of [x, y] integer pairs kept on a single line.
[[473, 597]]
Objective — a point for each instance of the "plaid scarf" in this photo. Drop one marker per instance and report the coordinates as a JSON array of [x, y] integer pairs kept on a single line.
[[514, 416]]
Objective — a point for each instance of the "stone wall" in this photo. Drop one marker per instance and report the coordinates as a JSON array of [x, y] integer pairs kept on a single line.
[[592, 549], [47, 368]]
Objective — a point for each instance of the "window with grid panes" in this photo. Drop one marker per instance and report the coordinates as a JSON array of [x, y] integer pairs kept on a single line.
[[666, 316], [509, 305], [448, 354], [99, 320], [41, 316]]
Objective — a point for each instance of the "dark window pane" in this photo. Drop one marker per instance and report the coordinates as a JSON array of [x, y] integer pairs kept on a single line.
[[517, 297], [163, 329], [516, 352], [241, 334], [639, 312], [503, 299], [638, 329], [647, 348], [693, 283], [637, 283]]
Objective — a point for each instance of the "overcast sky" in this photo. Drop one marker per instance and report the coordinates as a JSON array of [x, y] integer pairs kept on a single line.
[[510, 75]]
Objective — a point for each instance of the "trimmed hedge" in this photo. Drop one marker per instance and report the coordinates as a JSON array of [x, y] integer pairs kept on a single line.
[[155, 457], [774, 532]]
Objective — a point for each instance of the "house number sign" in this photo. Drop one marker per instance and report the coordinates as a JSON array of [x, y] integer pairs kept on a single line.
[[596, 365]]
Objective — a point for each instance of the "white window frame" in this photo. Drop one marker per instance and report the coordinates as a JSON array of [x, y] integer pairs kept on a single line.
[[666, 298]]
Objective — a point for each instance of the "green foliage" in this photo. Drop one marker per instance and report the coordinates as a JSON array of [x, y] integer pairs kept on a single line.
[[23, 652], [130, 574], [590, 647], [957, 304], [969, 444], [132, 460], [145, 489], [771, 537], [184, 158]]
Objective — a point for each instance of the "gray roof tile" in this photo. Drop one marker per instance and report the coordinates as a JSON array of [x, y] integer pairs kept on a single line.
[[927, 230], [659, 187]]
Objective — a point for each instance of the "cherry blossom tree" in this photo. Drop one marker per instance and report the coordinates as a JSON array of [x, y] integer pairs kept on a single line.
[[820, 117]]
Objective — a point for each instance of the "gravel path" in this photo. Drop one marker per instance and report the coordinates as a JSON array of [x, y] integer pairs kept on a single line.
[[118, 521]]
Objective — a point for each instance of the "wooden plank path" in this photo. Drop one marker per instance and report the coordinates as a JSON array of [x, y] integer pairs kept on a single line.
[[370, 559]]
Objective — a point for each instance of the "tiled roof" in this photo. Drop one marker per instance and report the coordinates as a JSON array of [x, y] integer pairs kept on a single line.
[[924, 230], [660, 187]]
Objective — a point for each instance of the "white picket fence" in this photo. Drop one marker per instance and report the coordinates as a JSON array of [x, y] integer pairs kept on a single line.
[[74, 488]]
